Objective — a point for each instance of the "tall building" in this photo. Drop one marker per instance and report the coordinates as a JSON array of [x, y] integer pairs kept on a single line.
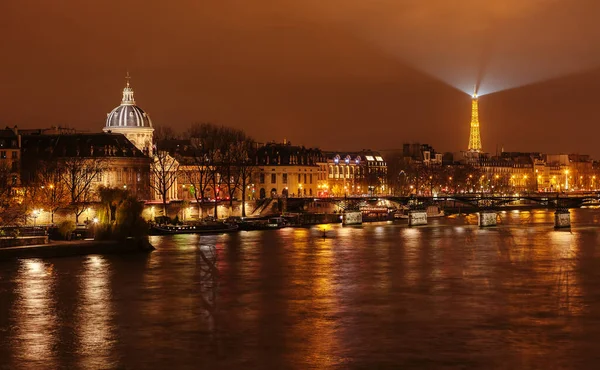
[[10, 153], [130, 120], [286, 170], [475, 136], [352, 173]]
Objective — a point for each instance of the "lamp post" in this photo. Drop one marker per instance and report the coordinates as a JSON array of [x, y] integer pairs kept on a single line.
[[403, 182], [35, 215]]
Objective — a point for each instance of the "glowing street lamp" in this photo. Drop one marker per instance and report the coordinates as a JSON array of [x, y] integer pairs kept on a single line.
[[35, 214]]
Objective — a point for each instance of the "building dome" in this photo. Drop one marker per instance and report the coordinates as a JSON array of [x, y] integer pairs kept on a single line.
[[128, 114], [130, 120]]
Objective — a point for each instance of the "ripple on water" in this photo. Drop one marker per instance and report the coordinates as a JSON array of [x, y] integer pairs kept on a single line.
[[383, 295]]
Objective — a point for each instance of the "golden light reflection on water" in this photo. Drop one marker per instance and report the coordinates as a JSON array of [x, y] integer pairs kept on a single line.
[[411, 237], [565, 248], [36, 314], [319, 331], [95, 313], [517, 295]]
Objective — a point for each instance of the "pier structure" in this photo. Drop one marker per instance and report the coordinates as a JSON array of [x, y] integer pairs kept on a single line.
[[487, 218], [417, 218], [562, 219]]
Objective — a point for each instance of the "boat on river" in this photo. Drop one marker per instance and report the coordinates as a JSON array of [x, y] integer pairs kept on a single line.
[[272, 223], [212, 228]]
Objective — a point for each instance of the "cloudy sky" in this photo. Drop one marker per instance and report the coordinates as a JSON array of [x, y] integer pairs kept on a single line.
[[338, 74]]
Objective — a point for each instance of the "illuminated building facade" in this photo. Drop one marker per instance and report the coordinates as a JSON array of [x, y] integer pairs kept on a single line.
[[567, 172], [123, 165], [352, 173], [508, 172], [283, 170], [190, 172]]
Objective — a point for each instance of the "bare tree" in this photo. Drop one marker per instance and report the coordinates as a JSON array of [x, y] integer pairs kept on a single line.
[[222, 158], [164, 133], [78, 174], [246, 171], [163, 170], [235, 147], [198, 173], [13, 210], [52, 193], [208, 141]]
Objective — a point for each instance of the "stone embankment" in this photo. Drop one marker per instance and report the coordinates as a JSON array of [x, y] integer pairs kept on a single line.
[[76, 248]]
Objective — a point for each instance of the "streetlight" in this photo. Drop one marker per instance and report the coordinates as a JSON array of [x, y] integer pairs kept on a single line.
[[35, 215]]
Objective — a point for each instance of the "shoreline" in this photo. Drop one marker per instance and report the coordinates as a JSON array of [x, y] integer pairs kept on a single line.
[[76, 248]]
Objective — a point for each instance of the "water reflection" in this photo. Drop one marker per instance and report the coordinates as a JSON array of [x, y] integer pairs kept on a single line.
[[34, 315], [95, 314], [377, 296]]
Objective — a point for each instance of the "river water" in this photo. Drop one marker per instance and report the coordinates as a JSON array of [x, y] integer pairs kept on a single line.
[[445, 295]]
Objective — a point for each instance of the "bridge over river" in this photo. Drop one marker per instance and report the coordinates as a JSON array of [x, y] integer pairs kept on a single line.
[[465, 202]]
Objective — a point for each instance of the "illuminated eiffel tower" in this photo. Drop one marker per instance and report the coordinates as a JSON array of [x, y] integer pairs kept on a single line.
[[475, 136]]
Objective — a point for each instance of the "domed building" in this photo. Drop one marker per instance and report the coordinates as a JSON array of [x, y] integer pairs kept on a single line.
[[130, 120]]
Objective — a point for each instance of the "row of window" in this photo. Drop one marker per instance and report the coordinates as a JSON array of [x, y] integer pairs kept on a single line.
[[14, 155], [308, 178], [124, 175], [13, 143]]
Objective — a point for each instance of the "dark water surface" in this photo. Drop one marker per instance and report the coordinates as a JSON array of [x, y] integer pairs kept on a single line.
[[520, 295]]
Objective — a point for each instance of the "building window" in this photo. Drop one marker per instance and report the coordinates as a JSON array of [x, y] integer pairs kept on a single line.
[[299, 178], [119, 175], [3, 154], [311, 179], [15, 155], [261, 178], [284, 178], [273, 178], [305, 179]]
